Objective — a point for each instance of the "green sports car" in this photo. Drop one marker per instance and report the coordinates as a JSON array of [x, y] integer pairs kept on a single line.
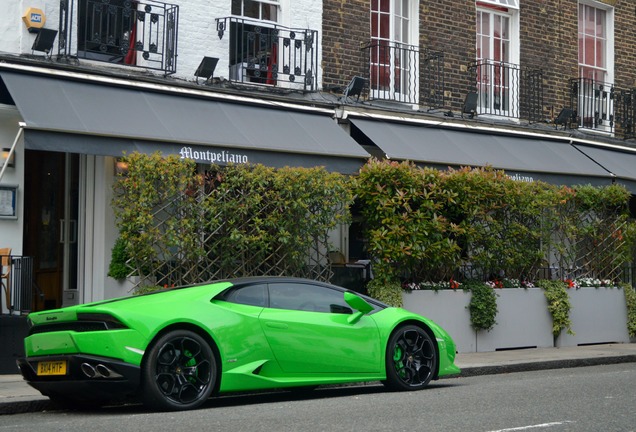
[[175, 348]]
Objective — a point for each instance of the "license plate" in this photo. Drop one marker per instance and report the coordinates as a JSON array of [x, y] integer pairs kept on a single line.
[[52, 368]]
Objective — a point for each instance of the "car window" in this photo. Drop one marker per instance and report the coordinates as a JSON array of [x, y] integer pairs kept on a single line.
[[253, 295], [307, 297]]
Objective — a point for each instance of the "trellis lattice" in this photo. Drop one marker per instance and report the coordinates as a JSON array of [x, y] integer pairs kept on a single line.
[[218, 230]]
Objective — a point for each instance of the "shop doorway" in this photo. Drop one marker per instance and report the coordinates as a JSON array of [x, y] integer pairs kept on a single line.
[[50, 232]]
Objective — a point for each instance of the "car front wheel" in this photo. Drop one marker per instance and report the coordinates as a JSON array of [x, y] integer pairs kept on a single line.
[[411, 359], [179, 372]]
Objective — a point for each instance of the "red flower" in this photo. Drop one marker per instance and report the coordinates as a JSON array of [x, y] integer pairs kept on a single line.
[[454, 284]]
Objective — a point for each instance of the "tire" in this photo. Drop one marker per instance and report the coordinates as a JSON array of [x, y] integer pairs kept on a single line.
[[179, 372], [411, 359]]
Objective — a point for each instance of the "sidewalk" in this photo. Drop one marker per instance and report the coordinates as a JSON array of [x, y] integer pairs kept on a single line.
[[16, 396]]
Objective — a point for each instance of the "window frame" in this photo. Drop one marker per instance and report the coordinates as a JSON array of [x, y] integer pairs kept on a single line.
[[608, 57], [492, 101], [590, 86], [397, 73]]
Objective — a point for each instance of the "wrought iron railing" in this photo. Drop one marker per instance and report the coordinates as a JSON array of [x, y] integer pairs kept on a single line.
[[593, 104], [142, 33], [507, 90], [433, 80], [18, 286], [270, 54], [392, 71], [626, 113]]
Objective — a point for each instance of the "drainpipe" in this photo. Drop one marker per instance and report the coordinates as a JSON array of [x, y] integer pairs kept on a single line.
[[12, 150]]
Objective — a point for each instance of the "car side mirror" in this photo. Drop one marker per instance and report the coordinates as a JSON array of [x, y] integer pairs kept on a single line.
[[357, 303]]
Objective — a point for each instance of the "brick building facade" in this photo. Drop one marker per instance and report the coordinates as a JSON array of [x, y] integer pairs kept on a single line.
[[548, 40]]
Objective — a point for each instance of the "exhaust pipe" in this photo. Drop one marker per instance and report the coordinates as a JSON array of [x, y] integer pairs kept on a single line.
[[88, 370], [103, 371], [98, 371]]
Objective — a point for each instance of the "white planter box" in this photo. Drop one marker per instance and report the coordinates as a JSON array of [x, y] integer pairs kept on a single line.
[[598, 315], [448, 308], [523, 321]]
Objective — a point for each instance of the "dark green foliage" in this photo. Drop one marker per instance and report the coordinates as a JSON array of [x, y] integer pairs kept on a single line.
[[482, 306], [119, 268]]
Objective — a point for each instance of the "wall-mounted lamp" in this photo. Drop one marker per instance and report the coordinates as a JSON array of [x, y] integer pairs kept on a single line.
[[8, 158], [354, 88], [566, 117], [470, 104], [44, 40], [121, 167], [206, 68]]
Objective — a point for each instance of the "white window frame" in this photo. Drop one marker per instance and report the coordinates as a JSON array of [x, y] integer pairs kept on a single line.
[[585, 100], [260, 17], [488, 102], [394, 40], [511, 4]]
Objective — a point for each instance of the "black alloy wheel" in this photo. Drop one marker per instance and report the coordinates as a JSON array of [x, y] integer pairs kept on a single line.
[[179, 372], [411, 359]]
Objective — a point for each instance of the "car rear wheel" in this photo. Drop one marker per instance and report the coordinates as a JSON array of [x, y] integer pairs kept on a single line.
[[179, 372], [411, 359]]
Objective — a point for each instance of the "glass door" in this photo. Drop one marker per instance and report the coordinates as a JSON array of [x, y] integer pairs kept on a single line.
[[50, 235], [392, 58], [494, 80]]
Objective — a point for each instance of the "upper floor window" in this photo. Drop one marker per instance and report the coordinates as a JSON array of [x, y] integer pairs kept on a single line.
[[394, 56], [595, 104], [593, 33], [264, 10], [133, 32], [262, 51], [497, 49], [107, 30]]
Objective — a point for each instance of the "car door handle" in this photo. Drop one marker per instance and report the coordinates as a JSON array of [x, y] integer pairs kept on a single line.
[[277, 325]]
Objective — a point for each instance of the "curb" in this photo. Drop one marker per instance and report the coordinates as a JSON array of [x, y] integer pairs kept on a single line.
[[25, 406], [544, 365]]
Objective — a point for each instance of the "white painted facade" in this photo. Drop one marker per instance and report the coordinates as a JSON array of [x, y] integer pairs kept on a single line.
[[197, 37]]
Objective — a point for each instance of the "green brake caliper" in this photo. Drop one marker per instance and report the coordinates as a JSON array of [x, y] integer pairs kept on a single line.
[[399, 365], [190, 364]]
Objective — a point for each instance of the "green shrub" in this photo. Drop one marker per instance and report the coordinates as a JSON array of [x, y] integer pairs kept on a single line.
[[118, 268], [385, 287], [630, 300], [558, 305], [482, 306]]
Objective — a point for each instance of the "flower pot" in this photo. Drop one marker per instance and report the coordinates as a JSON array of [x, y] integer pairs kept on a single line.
[[598, 315], [523, 321]]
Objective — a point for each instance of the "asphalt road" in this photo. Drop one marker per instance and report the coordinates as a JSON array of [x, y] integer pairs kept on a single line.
[[598, 398]]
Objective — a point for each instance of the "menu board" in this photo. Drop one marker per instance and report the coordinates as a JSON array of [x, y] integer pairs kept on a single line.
[[8, 202]]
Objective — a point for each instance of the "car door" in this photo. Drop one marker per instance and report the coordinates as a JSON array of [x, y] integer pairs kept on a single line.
[[307, 329]]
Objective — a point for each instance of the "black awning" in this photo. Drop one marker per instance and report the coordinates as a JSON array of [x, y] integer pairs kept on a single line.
[[83, 117], [523, 158], [620, 162]]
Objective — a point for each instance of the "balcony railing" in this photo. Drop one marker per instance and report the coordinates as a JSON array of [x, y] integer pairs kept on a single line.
[[433, 80], [142, 33], [626, 113], [270, 54], [603, 107], [508, 90], [593, 104], [392, 71]]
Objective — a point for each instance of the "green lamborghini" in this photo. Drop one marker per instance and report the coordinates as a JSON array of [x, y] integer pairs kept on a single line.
[[173, 349]]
